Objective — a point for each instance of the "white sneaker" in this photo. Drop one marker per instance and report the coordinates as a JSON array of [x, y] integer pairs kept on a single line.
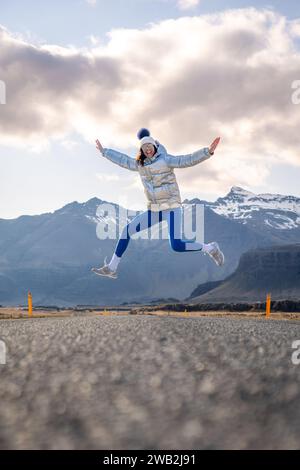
[[213, 250], [105, 271]]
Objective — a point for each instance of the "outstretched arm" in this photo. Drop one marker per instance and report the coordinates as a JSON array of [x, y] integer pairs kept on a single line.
[[191, 159], [117, 157]]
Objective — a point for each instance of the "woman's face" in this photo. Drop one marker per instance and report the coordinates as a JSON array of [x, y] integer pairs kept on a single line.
[[148, 149]]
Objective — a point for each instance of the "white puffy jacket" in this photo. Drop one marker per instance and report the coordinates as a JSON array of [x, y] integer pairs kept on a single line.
[[157, 174]]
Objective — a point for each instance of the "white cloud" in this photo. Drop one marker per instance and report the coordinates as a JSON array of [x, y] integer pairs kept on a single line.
[[95, 41], [91, 2], [295, 27], [187, 4], [107, 177], [225, 74], [69, 144]]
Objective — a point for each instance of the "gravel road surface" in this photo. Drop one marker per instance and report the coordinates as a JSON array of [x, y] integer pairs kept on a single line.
[[149, 382]]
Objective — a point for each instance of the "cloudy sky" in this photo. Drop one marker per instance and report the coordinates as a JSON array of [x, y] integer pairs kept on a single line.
[[72, 71]]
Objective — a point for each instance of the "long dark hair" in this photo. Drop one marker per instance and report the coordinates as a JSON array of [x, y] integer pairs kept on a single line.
[[141, 156]]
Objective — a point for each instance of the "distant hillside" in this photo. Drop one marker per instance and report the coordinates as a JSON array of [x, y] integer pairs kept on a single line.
[[203, 288], [274, 269]]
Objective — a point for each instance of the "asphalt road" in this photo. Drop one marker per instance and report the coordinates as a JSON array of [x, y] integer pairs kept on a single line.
[[145, 382]]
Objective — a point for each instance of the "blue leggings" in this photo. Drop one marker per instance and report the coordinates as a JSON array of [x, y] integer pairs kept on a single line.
[[149, 218]]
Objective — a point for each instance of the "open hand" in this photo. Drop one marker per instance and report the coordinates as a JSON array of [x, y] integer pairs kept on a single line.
[[214, 145], [99, 146]]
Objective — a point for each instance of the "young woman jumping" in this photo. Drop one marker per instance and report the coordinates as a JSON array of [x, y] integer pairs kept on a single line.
[[156, 168]]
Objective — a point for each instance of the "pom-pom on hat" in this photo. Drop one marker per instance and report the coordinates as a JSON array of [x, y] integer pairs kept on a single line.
[[143, 132], [145, 138]]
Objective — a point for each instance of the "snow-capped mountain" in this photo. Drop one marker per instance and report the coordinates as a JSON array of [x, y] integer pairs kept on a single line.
[[271, 211], [52, 254]]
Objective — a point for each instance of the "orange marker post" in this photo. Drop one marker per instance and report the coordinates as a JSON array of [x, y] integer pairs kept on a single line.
[[268, 305], [29, 304]]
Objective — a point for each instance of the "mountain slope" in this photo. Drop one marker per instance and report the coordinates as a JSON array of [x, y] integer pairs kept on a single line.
[[51, 254], [273, 269], [274, 214]]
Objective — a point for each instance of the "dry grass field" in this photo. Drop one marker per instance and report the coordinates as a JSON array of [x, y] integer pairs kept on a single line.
[[19, 312]]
